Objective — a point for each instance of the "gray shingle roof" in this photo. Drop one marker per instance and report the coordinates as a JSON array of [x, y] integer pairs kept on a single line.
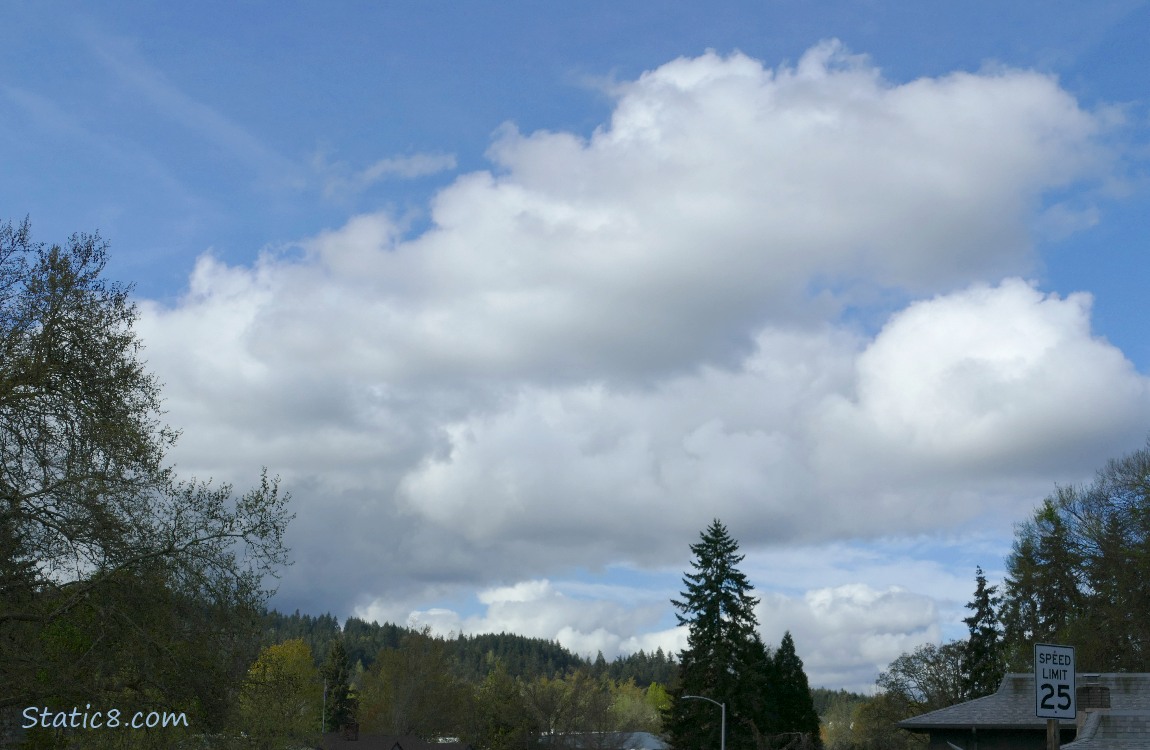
[[1010, 707], [1116, 730], [1125, 726]]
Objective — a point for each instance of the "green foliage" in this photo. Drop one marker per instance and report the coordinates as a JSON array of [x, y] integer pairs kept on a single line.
[[875, 725], [838, 719], [637, 709], [281, 699], [927, 679], [796, 709], [725, 660], [412, 690], [658, 697], [644, 669], [364, 640], [430, 686], [520, 656], [983, 663], [501, 718], [339, 704], [824, 698], [318, 632], [472, 657], [1042, 598], [1079, 572], [120, 585], [566, 710]]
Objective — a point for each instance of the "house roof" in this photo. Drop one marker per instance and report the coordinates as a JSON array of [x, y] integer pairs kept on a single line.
[[1126, 725], [1123, 725], [1113, 730], [1010, 707]]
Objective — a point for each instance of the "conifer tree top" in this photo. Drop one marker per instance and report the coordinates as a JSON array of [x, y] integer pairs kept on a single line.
[[725, 659], [717, 590]]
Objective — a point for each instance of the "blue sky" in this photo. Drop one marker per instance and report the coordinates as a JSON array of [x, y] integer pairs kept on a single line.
[[516, 297]]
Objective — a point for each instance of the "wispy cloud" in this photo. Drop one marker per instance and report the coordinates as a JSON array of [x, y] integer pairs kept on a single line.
[[62, 124], [340, 182], [121, 58]]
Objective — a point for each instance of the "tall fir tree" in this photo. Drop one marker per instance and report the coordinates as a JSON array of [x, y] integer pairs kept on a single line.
[[793, 694], [1080, 574], [339, 705], [983, 662], [1043, 599], [725, 659]]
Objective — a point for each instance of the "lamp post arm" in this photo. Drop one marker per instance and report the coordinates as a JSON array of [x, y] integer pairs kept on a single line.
[[723, 715]]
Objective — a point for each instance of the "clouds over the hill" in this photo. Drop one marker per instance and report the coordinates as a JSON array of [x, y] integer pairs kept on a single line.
[[602, 343]]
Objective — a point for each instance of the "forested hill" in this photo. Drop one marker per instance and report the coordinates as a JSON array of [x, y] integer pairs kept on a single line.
[[474, 656]]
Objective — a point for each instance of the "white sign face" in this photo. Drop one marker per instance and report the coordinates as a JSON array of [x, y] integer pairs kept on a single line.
[[1054, 681]]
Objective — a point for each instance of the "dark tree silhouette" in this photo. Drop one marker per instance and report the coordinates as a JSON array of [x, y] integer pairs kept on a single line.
[[725, 659]]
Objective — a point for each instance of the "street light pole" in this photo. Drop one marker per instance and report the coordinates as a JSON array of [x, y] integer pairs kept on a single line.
[[722, 725]]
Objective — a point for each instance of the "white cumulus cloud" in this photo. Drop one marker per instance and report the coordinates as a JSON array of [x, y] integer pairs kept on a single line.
[[603, 342], [846, 634]]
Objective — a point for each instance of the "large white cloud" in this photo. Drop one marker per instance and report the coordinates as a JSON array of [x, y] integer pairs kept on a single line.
[[603, 342], [1001, 376], [719, 193], [959, 402]]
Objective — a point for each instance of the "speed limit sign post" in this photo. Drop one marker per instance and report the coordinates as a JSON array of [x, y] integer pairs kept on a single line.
[[1054, 695]]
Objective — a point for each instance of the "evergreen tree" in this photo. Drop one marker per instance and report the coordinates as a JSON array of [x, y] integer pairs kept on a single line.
[[1043, 598], [983, 665], [339, 706], [1080, 574], [599, 668], [725, 659], [793, 693]]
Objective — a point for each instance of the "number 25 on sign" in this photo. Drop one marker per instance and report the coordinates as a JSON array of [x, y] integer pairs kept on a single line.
[[1054, 681]]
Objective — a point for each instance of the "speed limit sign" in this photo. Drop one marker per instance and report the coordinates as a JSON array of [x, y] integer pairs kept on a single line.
[[1054, 681]]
